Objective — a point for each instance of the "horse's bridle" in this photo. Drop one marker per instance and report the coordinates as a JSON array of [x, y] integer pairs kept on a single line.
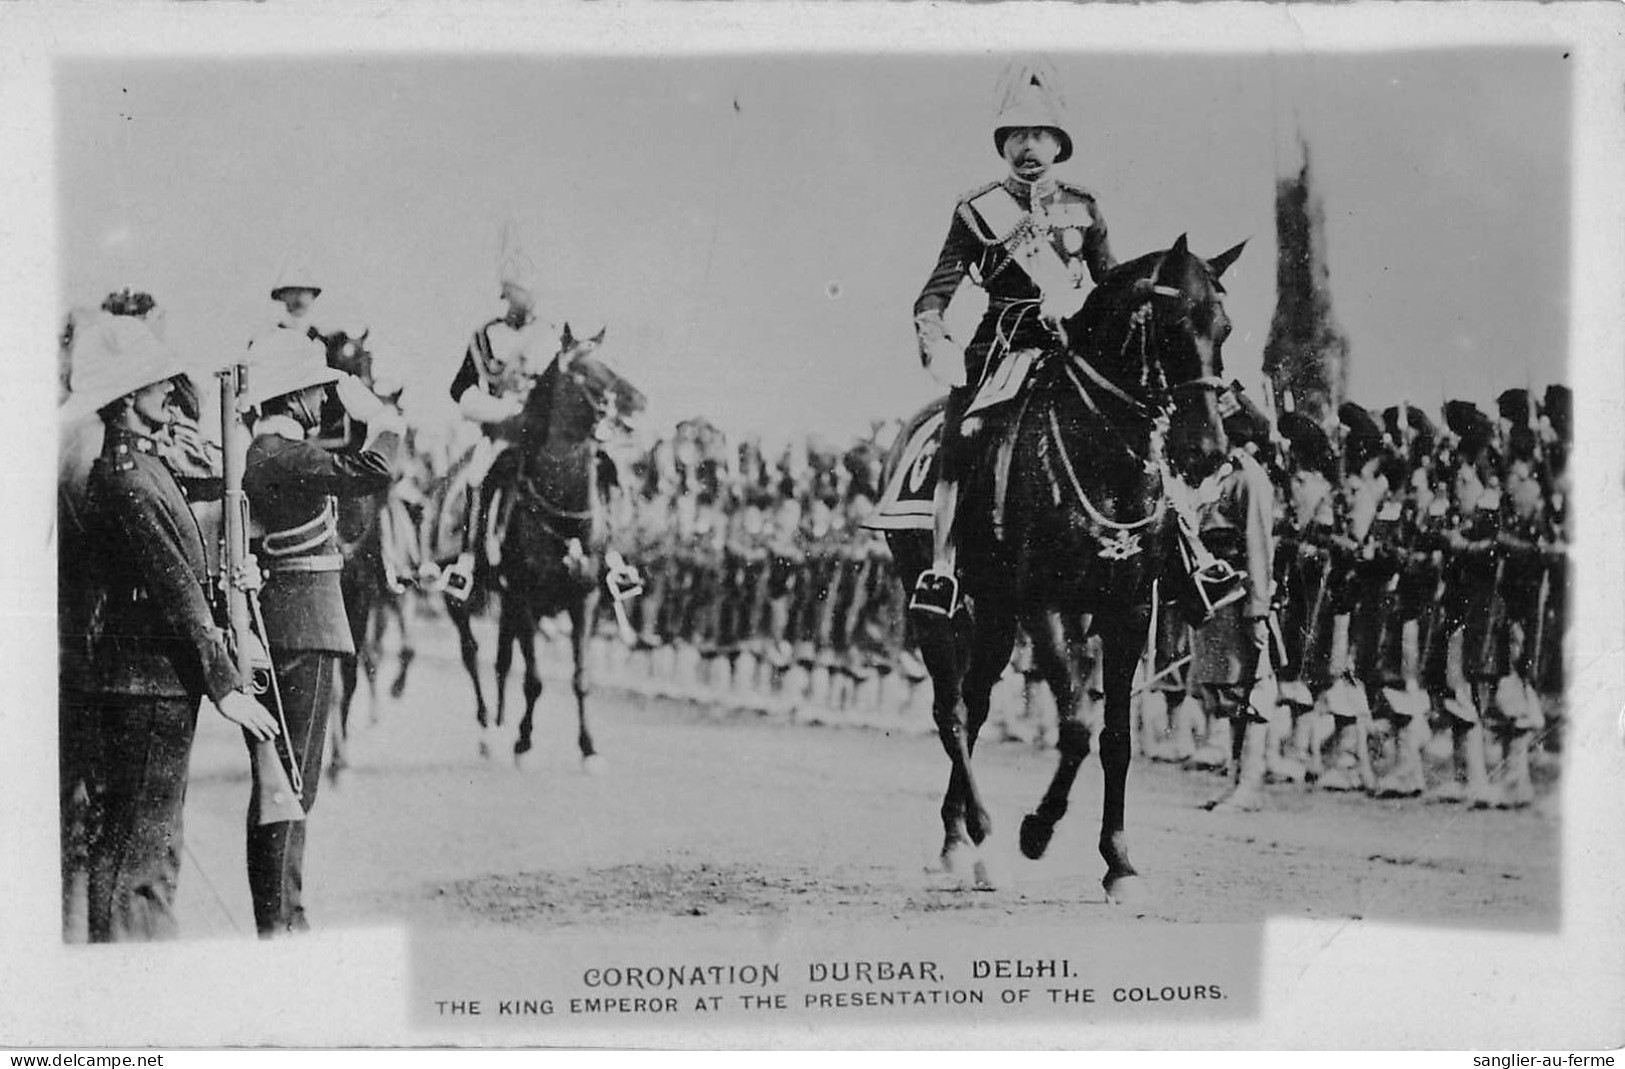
[[1149, 289]]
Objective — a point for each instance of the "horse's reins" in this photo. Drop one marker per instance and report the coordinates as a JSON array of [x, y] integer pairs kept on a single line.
[[1142, 323]]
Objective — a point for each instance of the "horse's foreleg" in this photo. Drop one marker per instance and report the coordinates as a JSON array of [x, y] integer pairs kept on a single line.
[[1052, 653], [525, 635], [397, 608], [509, 626], [1120, 651], [582, 613], [471, 663]]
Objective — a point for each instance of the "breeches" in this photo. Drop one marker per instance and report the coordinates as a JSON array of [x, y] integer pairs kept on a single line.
[[276, 852], [144, 748]]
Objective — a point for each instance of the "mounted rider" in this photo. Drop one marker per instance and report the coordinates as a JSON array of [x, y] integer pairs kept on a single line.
[[1028, 240], [294, 335], [503, 359]]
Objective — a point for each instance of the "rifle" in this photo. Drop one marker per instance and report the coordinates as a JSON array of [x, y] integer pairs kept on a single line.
[[278, 794]]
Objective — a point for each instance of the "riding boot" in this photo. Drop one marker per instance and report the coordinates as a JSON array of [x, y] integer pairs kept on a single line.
[[936, 591]]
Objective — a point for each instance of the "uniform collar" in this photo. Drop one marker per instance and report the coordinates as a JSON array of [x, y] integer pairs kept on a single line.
[[124, 440], [281, 426], [1023, 191]]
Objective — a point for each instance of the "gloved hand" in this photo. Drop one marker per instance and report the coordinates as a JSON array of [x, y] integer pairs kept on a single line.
[[248, 714], [1062, 305], [361, 403]]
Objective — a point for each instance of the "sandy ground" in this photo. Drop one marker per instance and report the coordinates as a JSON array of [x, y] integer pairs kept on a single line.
[[703, 819]]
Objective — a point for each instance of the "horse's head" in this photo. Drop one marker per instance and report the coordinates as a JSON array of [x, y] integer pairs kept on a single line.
[[585, 398], [1174, 325]]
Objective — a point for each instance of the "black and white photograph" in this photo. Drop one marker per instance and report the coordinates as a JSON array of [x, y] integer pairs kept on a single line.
[[867, 526]]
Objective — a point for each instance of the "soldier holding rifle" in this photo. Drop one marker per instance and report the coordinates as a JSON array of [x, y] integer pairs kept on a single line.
[[291, 486], [155, 645]]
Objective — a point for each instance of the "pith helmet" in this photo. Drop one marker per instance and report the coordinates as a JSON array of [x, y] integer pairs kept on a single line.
[[296, 275], [268, 380], [1030, 96], [112, 356]]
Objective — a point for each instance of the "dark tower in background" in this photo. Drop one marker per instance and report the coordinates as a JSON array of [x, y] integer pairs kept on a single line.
[[1307, 352]]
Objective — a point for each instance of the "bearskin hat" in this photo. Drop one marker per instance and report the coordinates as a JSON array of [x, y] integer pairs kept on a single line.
[[1363, 438], [1472, 428], [1311, 449], [1423, 434], [1513, 406], [1560, 411], [1243, 421]]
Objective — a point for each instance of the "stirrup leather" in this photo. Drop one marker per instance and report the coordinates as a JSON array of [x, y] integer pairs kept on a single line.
[[935, 594]]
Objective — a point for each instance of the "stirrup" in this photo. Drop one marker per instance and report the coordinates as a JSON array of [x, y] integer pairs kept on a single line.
[[935, 594], [457, 581], [622, 579]]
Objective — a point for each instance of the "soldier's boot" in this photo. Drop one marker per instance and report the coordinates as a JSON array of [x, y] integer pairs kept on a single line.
[[1410, 707], [1181, 741], [1152, 710], [1475, 768], [1346, 772], [1246, 793], [1281, 763], [936, 591], [1516, 789], [1214, 753]]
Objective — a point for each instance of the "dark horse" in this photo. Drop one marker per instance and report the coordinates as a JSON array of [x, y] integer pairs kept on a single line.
[[552, 558], [371, 588], [1081, 532]]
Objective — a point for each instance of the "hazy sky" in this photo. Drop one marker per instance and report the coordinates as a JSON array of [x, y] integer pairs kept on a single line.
[[754, 230]]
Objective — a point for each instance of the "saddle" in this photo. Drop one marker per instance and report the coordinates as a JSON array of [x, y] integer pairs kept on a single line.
[[906, 502]]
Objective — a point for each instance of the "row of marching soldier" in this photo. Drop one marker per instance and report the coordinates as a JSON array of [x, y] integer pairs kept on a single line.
[[142, 606], [1416, 604], [1405, 593]]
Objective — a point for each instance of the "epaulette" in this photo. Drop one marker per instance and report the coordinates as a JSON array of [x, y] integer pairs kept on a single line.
[[978, 191], [1074, 188]]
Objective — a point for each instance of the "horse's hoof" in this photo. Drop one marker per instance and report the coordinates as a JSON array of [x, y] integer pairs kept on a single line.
[[982, 871], [956, 857], [594, 765], [485, 749], [1129, 891], [1035, 836]]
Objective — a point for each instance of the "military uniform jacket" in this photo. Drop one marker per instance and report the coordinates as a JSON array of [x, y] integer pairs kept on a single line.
[[503, 361], [987, 225], [156, 634], [291, 484]]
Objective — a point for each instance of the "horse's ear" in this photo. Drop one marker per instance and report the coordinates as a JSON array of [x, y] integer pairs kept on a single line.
[[1179, 247], [567, 340], [598, 339], [1221, 262]]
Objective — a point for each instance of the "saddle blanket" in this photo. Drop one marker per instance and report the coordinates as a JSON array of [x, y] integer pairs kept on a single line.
[[905, 504]]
